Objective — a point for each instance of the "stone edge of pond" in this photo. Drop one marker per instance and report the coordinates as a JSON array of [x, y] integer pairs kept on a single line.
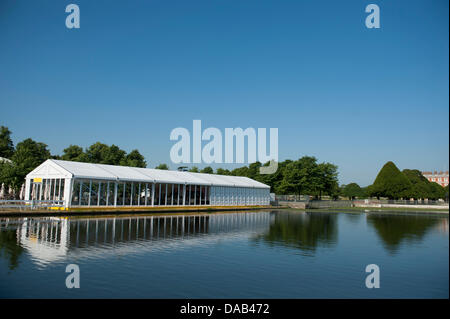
[[130, 212], [350, 210]]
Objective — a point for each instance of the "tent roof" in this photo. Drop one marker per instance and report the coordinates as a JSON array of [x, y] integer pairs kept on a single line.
[[53, 168]]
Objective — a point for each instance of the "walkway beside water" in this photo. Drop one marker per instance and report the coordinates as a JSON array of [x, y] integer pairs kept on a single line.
[[363, 204]]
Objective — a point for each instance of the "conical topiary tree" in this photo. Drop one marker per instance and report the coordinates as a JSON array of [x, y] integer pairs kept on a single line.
[[391, 183]]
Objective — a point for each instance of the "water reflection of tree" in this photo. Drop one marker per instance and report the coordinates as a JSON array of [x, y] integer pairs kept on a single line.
[[394, 229], [305, 231], [9, 249]]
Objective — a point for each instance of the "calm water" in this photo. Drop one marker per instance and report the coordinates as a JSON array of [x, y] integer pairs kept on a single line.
[[277, 254]]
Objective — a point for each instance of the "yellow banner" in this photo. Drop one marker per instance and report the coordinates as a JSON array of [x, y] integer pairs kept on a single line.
[[37, 180]]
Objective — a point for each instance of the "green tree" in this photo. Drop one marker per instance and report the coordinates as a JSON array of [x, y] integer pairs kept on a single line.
[[275, 180], [437, 191], [390, 183], [135, 159], [421, 187], [28, 155], [6, 144], [328, 179], [207, 170], [240, 171], [301, 177], [104, 154], [74, 153], [221, 171], [352, 191], [193, 169], [162, 166]]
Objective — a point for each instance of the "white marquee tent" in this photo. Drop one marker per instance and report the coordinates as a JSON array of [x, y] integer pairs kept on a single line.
[[87, 184]]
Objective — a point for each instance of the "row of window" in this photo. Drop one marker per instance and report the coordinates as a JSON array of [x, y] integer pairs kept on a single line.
[[239, 196], [439, 179], [111, 193], [47, 189]]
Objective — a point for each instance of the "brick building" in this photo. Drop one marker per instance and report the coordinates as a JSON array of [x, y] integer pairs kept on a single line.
[[438, 177]]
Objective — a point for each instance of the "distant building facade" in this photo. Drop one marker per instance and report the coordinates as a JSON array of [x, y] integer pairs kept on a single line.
[[438, 177]]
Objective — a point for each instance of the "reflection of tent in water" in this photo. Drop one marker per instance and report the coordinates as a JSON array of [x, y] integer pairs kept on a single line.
[[46, 241], [49, 240], [394, 229], [305, 231]]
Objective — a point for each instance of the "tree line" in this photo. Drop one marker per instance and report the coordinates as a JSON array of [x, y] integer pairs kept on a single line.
[[299, 177], [392, 183], [304, 176]]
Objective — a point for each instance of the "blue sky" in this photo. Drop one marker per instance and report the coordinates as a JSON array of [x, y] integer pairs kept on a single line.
[[135, 70]]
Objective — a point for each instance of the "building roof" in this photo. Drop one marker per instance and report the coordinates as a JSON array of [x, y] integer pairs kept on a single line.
[[63, 169]]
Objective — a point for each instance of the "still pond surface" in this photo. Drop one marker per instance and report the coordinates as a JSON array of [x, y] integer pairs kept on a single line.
[[268, 254]]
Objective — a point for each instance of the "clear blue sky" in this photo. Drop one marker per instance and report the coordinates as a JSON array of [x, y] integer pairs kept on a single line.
[[135, 70]]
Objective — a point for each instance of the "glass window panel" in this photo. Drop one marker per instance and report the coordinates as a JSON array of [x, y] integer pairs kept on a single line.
[[198, 195], [146, 194], [84, 193], [194, 194], [110, 193], [176, 188], [94, 193], [127, 194], [163, 194], [61, 193], [169, 194], [76, 193], [139, 188], [203, 192], [191, 196], [120, 194], [103, 193], [44, 189], [56, 189], [157, 193]]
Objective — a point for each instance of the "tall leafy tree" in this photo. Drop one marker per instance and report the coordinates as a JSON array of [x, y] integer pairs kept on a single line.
[[301, 176], [135, 159], [437, 191], [352, 191], [6, 144], [328, 179], [74, 153], [27, 156]]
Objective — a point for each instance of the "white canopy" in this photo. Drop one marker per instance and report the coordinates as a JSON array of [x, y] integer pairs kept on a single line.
[[67, 169]]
